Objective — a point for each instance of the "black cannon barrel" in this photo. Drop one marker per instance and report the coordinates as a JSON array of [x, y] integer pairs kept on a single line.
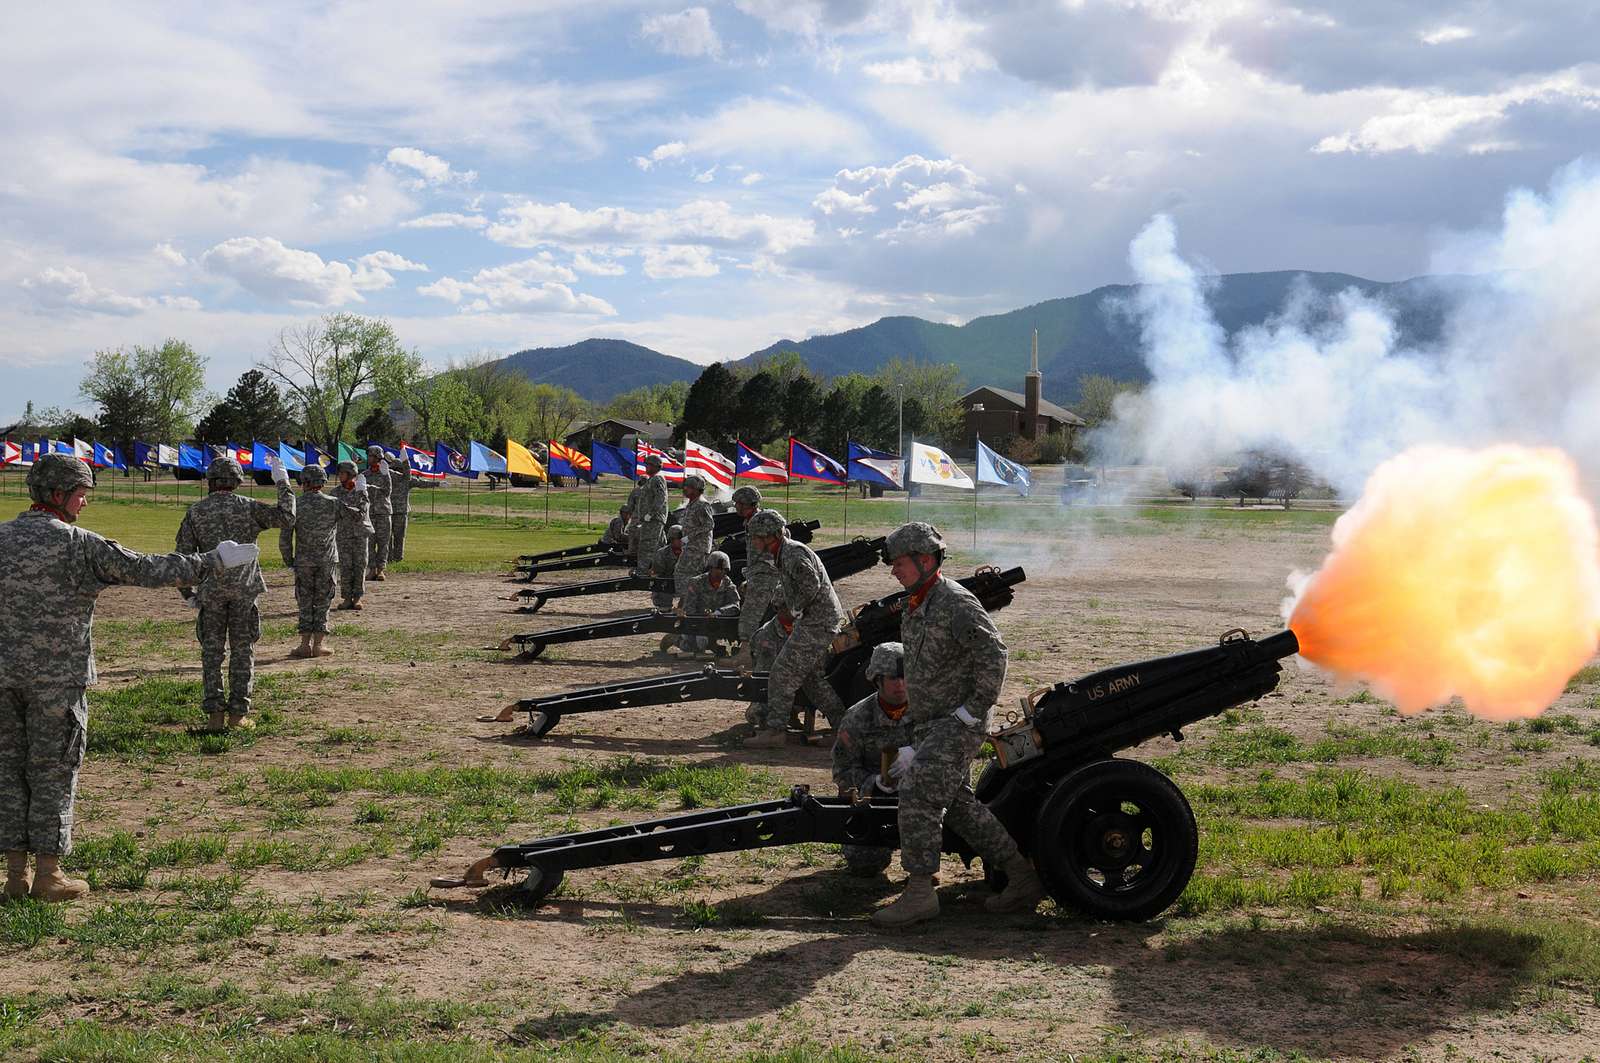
[[719, 627]]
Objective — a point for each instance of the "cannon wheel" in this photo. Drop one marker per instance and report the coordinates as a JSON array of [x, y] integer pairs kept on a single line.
[[532, 890], [1116, 839]]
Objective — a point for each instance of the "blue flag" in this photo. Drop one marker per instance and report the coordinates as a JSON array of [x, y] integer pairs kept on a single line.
[[450, 460], [145, 454], [808, 463], [260, 454], [993, 469], [875, 466], [292, 459], [485, 460], [119, 459], [611, 461], [190, 457], [103, 456]]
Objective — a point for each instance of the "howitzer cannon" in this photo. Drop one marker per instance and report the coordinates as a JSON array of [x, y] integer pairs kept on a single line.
[[733, 545], [1111, 837], [716, 627], [843, 560], [871, 624], [721, 524]]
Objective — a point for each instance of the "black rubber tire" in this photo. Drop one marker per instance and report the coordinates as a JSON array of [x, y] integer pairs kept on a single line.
[[527, 896], [1086, 840]]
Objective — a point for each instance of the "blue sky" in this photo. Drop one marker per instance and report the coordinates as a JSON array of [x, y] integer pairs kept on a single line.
[[707, 179]]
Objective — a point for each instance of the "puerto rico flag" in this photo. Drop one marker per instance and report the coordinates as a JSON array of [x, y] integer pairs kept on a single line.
[[10, 454], [808, 463], [754, 466], [421, 462], [671, 467], [565, 461], [717, 469]]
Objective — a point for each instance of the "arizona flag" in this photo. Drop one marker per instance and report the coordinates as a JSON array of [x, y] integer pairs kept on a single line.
[[755, 466], [930, 465], [671, 467], [421, 462], [809, 463], [717, 469], [565, 461]]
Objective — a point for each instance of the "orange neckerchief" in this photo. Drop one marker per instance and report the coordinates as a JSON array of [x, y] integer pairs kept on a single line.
[[787, 625], [894, 712], [921, 592], [58, 514]]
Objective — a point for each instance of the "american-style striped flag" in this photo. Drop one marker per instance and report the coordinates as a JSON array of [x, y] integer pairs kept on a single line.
[[717, 469], [671, 467]]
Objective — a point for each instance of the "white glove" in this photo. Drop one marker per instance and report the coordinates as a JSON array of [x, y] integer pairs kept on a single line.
[[361, 482], [383, 466], [193, 602], [964, 716], [280, 473], [235, 554], [903, 760], [875, 783]]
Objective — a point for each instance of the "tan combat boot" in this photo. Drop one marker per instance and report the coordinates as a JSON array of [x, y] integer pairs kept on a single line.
[[17, 881], [917, 904], [49, 884], [767, 738], [1023, 890], [216, 723], [241, 720], [304, 650], [316, 647]]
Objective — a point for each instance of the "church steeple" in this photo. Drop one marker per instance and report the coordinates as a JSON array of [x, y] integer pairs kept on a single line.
[[1030, 392]]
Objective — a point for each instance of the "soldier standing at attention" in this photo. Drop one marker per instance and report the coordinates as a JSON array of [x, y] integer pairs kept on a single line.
[[230, 620], [352, 533], [379, 493], [696, 520], [955, 665], [50, 575], [632, 510], [651, 512], [812, 614], [760, 591], [401, 483], [616, 533], [309, 549], [711, 593], [873, 725], [664, 565]]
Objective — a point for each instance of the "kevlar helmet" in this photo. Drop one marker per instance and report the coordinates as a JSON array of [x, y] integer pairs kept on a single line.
[[888, 661], [57, 472], [918, 537], [225, 471], [376, 453], [625, 511], [696, 481], [675, 533], [313, 474], [747, 496], [767, 522], [652, 462], [717, 559], [348, 468]]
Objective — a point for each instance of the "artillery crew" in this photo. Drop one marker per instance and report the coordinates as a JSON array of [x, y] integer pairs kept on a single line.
[[401, 483], [651, 512], [711, 593], [663, 564], [616, 533], [631, 511], [310, 549], [353, 531], [810, 616], [871, 727], [230, 620], [760, 591], [955, 664], [50, 574], [380, 490], [697, 521]]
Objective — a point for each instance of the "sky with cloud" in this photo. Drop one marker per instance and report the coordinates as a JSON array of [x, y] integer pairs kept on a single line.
[[707, 179]]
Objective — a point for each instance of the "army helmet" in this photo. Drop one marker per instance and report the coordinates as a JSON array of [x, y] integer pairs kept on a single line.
[[225, 471], [696, 481], [348, 468], [313, 474], [624, 510], [767, 522], [376, 453], [717, 559], [675, 533], [747, 496], [57, 472], [653, 461], [888, 661], [917, 537]]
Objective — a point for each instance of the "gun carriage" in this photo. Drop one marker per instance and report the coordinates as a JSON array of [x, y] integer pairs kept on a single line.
[[616, 555]]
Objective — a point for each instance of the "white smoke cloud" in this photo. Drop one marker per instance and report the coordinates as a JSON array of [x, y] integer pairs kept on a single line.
[[1329, 382]]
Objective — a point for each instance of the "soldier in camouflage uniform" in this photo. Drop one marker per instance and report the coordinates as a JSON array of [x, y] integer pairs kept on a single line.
[[616, 533], [401, 483], [664, 565], [50, 574], [651, 512], [813, 616], [352, 533], [955, 666], [380, 513], [697, 520], [756, 599], [872, 726], [310, 550], [230, 620], [711, 593], [632, 508]]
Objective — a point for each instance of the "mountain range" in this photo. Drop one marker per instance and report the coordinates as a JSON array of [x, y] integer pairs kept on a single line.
[[1079, 335]]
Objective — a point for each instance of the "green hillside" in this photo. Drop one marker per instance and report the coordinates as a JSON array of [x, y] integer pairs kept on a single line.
[[601, 369]]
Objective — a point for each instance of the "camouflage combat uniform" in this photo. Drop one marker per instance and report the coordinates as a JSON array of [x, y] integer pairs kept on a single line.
[[663, 565], [954, 658], [633, 522], [696, 520], [651, 513], [702, 599], [230, 620], [615, 533], [865, 733], [760, 594], [310, 548], [401, 484], [50, 574], [380, 515], [807, 592], [354, 529]]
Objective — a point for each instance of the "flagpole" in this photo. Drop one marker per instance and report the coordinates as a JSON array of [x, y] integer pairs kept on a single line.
[[547, 479], [977, 438], [847, 497]]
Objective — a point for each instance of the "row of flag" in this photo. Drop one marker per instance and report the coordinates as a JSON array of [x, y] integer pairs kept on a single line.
[[863, 464]]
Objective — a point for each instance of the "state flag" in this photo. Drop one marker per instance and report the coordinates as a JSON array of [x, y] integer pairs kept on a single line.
[[11, 454], [875, 466], [449, 460], [167, 454], [82, 450], [192, 457], [755, 466], [104, 456], [485, 460], [144, 454], [808, 463], [567, 461], [421, 462], [520, 460], [994, 469], [930, 465], [293, 458], [262, 456]]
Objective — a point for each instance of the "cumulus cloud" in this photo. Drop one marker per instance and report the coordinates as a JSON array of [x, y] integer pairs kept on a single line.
[[66, 288], [920, 198], [431, 170], [376, 270], [661, 153], [268, 269], [752, 178], [534, 285], [687, 33], [169, 254], [705, 222], [597, 264], [446, 220], [1428, 122], [765, 127], [663, 263]]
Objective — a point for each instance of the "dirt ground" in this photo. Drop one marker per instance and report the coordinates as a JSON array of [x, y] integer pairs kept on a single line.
[[792, 958]]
